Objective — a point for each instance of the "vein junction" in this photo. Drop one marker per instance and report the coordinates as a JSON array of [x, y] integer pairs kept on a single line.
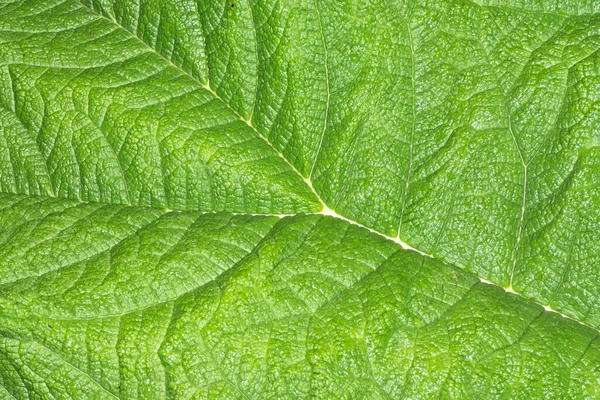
[[325, 209]]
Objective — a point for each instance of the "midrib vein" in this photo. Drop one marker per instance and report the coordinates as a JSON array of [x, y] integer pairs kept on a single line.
[[326, 210], [206, 86], [332, 214]]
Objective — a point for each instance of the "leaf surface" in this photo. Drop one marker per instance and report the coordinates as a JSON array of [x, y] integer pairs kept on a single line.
[[204, 199]]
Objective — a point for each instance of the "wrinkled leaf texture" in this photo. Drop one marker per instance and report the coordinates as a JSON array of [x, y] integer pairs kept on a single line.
[[257, 199]]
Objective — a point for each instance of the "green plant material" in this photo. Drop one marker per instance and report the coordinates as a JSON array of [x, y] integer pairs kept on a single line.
[[299, 199]]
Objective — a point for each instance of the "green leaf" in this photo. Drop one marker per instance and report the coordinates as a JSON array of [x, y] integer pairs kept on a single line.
[[299, 199]]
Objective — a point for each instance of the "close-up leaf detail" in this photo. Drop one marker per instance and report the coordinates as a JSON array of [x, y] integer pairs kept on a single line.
[[294, 199]]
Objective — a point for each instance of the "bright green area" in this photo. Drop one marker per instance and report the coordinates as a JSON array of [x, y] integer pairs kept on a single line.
[[184, 304], [131, 131]]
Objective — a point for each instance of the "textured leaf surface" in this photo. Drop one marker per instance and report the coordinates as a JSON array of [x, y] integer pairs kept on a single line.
[[183, 185], [202, 305]]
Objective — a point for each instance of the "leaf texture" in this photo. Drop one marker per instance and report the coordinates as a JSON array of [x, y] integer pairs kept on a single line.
[[299, 199]]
